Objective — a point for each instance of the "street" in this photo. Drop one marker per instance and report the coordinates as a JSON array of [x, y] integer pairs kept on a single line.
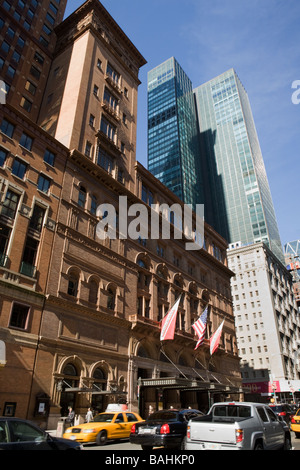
[[124, 445]]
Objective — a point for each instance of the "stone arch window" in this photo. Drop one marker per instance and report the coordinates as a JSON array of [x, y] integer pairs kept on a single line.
[[93, 291], [73, 282], [100, 379], [71, 379], [111, 297], [99, 385], [143, 284], [194, 301], [94, 204], [81, 196], [142, 352]]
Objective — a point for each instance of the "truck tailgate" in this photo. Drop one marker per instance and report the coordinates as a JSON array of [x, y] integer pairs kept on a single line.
[[214, 432]]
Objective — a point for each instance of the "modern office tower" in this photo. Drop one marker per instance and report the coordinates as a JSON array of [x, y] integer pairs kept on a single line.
[[267, 322], [291, 256], [27, 44], [236, 178], [172, 132]]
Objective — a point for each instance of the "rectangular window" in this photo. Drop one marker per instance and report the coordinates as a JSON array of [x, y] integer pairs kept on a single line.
[[105, 160], [49, 157], [10, 204], [29, 257], [4, 240], [16, 57], [26, 141], [29, 86], [5, 47], [44, 41], [19, 316], [50, 18], [19, 168], [114, 75], [88, 148], [26, 104], [47, 30], [35, 72], [38, 58], [108, 129], [7, 128], [11, 71], [20, 42], [44, 184], [3, 156], [37, 218], [92, 120], [110, 99]]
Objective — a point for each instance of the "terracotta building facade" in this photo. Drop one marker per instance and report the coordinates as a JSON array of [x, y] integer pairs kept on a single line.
[[80, 314]]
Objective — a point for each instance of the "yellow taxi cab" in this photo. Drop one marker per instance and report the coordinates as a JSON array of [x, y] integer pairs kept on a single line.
[[107, 425], [295, 423]]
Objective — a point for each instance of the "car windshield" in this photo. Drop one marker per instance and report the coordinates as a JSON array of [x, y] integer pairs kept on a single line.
[[104, 418], [163, 415]]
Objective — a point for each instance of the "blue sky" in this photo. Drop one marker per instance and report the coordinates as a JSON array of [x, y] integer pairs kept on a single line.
[[260, 39]]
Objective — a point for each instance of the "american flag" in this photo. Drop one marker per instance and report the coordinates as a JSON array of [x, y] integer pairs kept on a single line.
[[200, 327]]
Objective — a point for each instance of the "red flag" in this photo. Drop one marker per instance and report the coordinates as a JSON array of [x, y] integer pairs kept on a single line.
[[169, 323], [215, 339]]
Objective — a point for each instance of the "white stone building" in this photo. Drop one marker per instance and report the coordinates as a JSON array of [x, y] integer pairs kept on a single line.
[[266, 318]]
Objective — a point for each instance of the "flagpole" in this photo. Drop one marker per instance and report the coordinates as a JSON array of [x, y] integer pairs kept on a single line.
[[171, 361]]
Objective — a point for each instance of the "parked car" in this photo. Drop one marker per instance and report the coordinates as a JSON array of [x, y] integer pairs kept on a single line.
[[238, 426], [295, 423], [20, 434], [164, 428], [107, 425], [284, 410]]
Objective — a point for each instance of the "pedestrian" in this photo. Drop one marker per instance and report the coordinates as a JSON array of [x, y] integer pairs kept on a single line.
[[89, 416], [70, 417]]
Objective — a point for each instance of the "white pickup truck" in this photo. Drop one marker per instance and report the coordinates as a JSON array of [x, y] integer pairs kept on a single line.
[[238, 426]]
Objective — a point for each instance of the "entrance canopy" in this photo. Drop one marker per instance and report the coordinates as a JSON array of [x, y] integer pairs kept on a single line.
[[180, 383]]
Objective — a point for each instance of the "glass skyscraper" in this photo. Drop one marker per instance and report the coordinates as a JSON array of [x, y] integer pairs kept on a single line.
[[173, 132], [237, 188]]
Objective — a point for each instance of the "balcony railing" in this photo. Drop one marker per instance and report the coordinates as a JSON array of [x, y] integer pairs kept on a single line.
[[3, 260], [27, 269]]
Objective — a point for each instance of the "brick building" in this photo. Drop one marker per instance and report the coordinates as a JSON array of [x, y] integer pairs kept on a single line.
[[91, 332]]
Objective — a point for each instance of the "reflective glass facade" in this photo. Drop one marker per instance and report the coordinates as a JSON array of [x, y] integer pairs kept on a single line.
[[237, 184], [172, 132]]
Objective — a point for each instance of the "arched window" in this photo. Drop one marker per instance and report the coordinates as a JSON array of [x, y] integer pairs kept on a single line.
[[82, 196], [99, 385], [111, 298], [73, 284], [93, 291], [70, 380], [93, 204]]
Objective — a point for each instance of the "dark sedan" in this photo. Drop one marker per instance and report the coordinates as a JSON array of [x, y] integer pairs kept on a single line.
[[284, 410], [164, 428], [20, 434]]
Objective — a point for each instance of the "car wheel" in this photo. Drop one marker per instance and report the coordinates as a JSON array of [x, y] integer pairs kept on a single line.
[[101, 438], [259, 446], [287, 444], [147, 447]]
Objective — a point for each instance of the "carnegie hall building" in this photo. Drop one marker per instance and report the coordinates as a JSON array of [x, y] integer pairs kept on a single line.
[[80, 313]]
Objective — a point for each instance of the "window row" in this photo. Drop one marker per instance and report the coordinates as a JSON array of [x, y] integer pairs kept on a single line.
[[25, 141], [10, 205], [20, 169]]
